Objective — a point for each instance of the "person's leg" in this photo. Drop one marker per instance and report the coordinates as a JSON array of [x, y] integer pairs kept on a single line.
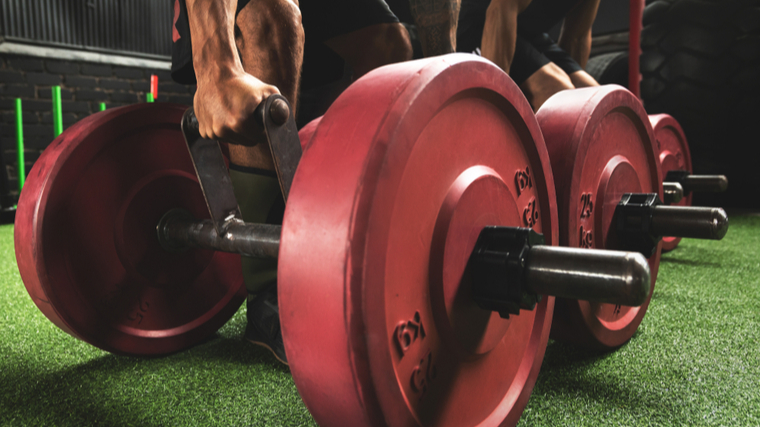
[[551, 79], [582, 79], [239, 52], [346, 39], [260, 200], [544, 44], [227, 95], [500, 31], [270, 38], [472, 19], [563, 72], [371, 47], [365, 33], [544, 83]]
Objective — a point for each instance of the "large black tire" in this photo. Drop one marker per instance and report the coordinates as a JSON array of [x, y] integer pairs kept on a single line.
[[609, 68], [701, 64]]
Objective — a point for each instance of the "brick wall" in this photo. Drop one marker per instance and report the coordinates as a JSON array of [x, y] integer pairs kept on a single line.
[[84, 86]]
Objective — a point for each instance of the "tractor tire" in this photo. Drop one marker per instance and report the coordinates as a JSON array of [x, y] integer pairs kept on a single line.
[[609, 68], [700, 63]]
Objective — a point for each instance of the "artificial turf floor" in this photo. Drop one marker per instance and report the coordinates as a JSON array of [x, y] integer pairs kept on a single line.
[[694, 361]]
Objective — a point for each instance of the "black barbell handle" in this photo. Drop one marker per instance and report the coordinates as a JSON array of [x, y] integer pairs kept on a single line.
[[697, 183], [606, 276], [690, 222], [600, 275], [672, 192]]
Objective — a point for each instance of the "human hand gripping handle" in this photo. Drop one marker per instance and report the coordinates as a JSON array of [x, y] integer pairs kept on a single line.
[[279, 112], [225, 102], [273, 118]]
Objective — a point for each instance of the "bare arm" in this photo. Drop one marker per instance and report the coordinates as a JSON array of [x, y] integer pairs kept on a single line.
[[226, 95], [436, 21], [575, 37]]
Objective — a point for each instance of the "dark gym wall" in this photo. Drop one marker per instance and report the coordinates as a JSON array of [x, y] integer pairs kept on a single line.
[[40, 30], [137, 27], [83, 87]]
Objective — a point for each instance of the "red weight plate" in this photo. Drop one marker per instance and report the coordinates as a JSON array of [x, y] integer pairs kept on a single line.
[[404, 171], [307, 132], [86, 242], [601, 146], [674, 155]]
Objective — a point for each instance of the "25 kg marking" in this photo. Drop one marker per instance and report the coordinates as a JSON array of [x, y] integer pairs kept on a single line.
[[587, 205]]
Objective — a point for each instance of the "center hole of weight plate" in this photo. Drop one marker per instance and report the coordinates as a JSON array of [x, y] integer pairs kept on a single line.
[[135, 229], [618, 177], [477, 198]]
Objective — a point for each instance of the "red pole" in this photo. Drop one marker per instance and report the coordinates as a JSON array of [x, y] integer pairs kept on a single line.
[[634, 45], [154, 85]]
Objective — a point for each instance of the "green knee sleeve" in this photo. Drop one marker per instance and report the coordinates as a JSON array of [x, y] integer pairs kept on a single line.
[[257, 193]]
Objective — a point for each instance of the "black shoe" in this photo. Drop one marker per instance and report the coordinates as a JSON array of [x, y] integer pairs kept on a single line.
[[264, 323]]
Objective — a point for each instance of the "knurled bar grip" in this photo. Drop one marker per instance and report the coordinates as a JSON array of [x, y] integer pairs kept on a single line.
[[598, 275], [178, 230]]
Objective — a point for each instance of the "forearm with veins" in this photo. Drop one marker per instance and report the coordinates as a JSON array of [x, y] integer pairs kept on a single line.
[[212, 27]]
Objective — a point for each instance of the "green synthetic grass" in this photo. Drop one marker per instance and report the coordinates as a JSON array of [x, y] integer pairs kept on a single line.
[[694, 361]]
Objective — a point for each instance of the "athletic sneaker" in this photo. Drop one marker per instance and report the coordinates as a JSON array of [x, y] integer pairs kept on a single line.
[[264, 323]]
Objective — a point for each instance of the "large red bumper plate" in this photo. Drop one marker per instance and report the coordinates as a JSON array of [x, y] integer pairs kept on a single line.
[[86, 242], [400, 176], [601, 146], [674, 155]]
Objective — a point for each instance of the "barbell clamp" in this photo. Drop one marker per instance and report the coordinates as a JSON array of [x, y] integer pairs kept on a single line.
[[511, 268]]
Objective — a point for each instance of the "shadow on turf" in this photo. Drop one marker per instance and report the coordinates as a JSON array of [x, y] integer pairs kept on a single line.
[[690, 263], [78, 396], [560, 355], [698, 256], [567, 373], [614, 395], [65, 398]]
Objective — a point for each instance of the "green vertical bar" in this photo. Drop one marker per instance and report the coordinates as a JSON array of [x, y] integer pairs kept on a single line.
[[21, 166], [149, 97], [102, 106], [57, 113]]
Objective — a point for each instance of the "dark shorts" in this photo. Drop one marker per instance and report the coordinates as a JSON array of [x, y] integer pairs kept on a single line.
[[472, 20], [533, 48], [533, 53], [322, 20]]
